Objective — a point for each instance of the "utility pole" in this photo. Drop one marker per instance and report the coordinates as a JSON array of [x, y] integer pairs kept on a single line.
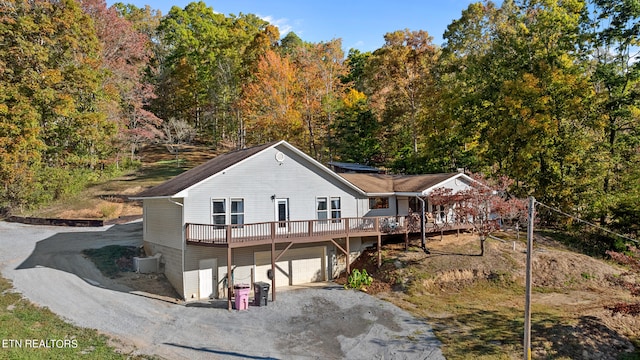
[[423, 225], [527, 300]]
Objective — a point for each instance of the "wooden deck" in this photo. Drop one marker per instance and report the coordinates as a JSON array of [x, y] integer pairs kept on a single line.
[[303, 231]]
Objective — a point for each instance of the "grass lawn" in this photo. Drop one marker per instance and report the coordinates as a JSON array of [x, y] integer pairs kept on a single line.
[[31, 332]]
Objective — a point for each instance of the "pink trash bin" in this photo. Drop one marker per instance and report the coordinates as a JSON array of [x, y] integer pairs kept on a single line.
[[242, 296]]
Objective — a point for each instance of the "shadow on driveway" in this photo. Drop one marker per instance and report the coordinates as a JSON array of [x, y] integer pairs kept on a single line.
[[63, 252]]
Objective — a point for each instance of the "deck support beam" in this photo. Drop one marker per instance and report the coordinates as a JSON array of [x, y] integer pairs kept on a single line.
[[273, 261], [379, 250], [345, 252], [229, 279], [348, 255]]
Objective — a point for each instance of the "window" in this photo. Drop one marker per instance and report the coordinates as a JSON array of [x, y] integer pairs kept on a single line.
[[219, 211], [321, 208], [237, 211], [336, 209], [441, 215], [379, 203]]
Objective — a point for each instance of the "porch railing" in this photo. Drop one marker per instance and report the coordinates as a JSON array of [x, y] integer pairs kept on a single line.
[[207, 234]]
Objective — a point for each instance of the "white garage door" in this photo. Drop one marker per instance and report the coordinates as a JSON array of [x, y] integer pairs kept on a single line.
[[295, 267]]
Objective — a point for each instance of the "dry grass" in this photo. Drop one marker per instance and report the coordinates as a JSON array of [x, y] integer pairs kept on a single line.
[[476, 303], [110, 199]]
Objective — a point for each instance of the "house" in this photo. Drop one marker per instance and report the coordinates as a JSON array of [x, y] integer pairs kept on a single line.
[[399, 195], [271, 213]]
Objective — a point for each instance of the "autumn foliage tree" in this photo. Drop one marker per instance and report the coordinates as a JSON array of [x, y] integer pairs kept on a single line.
[[269, 104], [400, 88], [126, 54], [51, 77], [484, 205]]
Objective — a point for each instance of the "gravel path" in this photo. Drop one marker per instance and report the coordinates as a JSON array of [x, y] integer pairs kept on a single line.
[[329, 322]]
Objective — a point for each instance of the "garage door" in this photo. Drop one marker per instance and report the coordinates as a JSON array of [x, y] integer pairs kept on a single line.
[[295, 267]]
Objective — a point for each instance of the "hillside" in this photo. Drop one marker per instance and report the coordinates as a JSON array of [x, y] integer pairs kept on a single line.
[[110, 200], [476, 303]]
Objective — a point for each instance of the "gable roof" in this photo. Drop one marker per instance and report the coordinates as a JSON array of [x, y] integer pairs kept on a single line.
[[390, 184], [189, 178], [201, 172]]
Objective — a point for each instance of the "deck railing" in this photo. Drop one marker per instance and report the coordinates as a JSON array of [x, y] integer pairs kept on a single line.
[[207, 234], [224, 235]]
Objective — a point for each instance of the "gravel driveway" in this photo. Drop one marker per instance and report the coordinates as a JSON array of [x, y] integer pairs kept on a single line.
[[328, 322]]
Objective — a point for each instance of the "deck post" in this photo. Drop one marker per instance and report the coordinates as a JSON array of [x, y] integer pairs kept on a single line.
[[273, 261], [229, 284], [379, 250], [348, 255]]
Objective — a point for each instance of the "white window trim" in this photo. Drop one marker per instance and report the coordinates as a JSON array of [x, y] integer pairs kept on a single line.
[[337, 210], [212, 214], [326, 210], [231, 200]]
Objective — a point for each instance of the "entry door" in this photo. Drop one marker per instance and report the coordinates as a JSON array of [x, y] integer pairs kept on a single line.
[[208, 278], [282, 212]]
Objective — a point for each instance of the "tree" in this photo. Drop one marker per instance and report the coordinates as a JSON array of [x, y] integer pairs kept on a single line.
[[356, 62], [400, 85], [613, 30], [269, 106], [356, 131], [51, 77], [126, 54], [211, 55], [193, 37], [524, 96], [483, 205], [290, 44], [319, 68]]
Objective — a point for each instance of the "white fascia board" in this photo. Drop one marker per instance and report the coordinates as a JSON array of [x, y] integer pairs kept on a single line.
[[319, 165], [408, 194], [426, 191], [151, 197], [380, 194]]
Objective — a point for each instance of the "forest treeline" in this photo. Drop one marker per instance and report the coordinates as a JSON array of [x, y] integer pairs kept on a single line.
[[542, 91]]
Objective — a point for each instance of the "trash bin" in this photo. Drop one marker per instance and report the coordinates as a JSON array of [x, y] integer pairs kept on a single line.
[[242, 296], [261, 292]]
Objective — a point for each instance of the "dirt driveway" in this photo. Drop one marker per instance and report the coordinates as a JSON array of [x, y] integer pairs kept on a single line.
[[45, 264]]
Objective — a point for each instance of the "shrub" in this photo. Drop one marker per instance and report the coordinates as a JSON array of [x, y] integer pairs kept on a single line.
[[359, 280]]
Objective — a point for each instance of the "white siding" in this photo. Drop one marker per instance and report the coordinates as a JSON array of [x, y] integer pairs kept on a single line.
[[295, 267], [457, 184], [259, 178], [193, 255], [390, 211], [163, 223]]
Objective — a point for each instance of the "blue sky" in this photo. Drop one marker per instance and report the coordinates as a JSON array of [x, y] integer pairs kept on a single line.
[[360, 24]]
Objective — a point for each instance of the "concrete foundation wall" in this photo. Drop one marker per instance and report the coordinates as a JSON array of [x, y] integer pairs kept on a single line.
[[170, 264]]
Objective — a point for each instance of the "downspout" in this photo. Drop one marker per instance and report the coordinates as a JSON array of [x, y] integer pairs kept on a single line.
[[422, 226], [182, 242]]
